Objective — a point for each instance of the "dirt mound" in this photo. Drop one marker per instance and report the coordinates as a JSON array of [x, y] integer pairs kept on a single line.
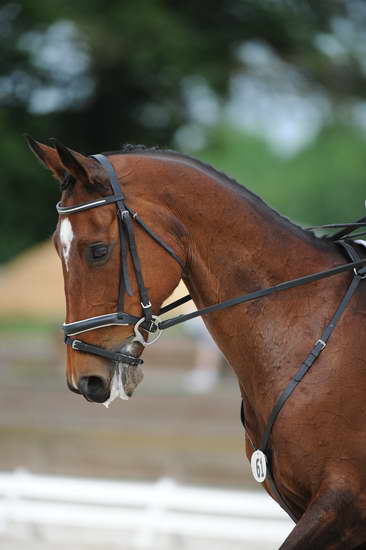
[[31, 286]]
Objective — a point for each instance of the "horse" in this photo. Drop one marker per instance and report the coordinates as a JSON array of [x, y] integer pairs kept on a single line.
[[222, 240]]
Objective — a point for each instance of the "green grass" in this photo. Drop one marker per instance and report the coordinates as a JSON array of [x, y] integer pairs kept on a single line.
[[13, 325]]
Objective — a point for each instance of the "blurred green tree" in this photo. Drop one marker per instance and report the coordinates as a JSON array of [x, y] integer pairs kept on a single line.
[[324, 183], [96, 74]]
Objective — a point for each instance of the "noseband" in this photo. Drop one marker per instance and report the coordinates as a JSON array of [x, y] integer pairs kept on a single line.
[[149, 322]]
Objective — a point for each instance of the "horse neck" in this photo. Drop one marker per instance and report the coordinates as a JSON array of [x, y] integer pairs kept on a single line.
[[236, 244]]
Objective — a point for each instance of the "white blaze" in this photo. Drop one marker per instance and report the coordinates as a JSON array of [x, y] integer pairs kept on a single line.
[[66, 237]]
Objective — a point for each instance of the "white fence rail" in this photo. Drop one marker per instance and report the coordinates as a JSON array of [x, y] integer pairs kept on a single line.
[[146, 511]]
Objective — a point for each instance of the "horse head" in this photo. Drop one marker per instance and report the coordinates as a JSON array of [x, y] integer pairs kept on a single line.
[[116, 276]]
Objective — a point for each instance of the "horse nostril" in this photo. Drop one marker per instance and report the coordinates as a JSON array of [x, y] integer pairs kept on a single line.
[[94, 388]]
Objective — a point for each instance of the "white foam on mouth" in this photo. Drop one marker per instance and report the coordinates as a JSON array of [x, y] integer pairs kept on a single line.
[[117, 389]]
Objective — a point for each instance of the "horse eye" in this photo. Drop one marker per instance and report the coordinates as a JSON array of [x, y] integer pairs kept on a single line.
[[98, 254], [98, 251]]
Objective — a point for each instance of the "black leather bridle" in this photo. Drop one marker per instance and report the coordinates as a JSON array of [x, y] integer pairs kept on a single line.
[[149, 322]]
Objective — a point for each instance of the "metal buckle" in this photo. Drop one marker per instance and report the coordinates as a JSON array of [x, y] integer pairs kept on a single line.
[[145, 306], [323, 344], [358, 274], [139, 337], [75, 344]]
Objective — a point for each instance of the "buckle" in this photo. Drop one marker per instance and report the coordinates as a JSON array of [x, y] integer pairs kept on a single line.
[[75, 344], [322, 343], [145, 306], [357, 273]]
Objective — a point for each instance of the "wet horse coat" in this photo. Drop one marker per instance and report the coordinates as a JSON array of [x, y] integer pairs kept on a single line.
[[232, 243]]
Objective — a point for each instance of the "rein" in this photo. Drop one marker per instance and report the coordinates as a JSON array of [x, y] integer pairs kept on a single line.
[[255, 295]]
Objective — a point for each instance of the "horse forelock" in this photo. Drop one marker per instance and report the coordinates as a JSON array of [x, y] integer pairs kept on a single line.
[[69, 182]]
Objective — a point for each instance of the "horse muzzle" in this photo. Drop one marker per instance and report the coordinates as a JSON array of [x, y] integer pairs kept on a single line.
[[121, 381]]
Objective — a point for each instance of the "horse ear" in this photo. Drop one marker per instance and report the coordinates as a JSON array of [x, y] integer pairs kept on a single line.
[[47, 156], [82, 168]]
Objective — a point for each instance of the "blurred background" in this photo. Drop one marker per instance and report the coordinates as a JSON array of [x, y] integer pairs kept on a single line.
[[272, 92]]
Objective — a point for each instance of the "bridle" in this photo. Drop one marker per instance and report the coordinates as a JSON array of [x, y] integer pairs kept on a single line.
[[149, 322], [152, 324]]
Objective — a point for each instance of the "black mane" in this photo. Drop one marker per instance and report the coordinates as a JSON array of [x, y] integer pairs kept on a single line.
[[132, 149], [68, 183]]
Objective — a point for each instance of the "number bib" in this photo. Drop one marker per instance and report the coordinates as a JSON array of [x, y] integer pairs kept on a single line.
[[258, 464]]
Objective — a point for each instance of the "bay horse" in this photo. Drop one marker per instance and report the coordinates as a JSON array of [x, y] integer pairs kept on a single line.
[[222, 240]]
